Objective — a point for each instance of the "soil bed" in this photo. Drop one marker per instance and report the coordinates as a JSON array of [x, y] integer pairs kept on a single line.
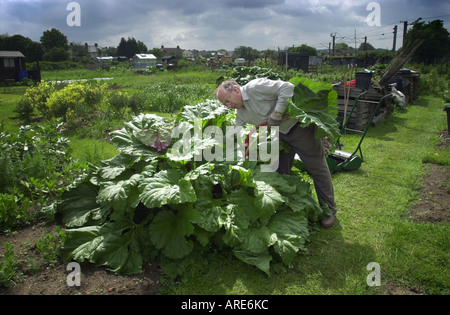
[[42, 279], [434, 197]]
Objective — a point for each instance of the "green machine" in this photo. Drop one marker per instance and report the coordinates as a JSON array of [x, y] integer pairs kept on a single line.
[[339, 160]]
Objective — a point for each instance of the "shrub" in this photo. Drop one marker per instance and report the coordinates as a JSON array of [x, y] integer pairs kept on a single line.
[[14, 210], [77, 103], [35, 98], [61, 101]]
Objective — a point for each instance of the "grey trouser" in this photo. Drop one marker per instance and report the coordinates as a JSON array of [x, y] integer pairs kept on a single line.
[[303, 142]]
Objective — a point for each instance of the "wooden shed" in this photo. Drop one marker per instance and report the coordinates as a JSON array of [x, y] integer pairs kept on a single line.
[[12, 66]]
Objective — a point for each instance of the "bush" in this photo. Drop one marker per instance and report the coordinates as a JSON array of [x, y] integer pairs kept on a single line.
[[14, 210], [35, 98], [433, 82], [35, 165], [64, 100], [77, 103]]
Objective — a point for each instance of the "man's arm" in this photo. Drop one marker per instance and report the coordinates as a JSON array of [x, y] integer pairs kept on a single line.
[[285, 90]]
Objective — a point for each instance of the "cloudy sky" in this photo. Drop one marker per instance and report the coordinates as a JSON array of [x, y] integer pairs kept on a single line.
[[225, 24]]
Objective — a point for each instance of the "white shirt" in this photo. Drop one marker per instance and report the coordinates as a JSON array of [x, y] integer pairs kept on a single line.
[[263, 96]]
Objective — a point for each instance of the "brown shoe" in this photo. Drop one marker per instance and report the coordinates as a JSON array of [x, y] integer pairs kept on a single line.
[[328, 222]]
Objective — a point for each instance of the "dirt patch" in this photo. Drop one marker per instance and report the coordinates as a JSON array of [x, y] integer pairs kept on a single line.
[[444, 140], [393, 289], [434, 197], [36, 277]]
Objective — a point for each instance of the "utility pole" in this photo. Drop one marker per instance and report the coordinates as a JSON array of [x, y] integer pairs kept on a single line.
[[395, 38], [405, 29], [365, 43], [334, 40]]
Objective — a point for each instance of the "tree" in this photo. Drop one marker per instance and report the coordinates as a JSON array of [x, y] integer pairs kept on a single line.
[[248, 53], [436, 41], [56, 54], [79, 53], [54, 38], [157, 52], [365, 47], [304, 50], [130, 47], [33, 51], [341, 47], [55, 45]]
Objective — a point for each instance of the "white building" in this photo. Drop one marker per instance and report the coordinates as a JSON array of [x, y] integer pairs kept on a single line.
[[239, 61], [142, 61]]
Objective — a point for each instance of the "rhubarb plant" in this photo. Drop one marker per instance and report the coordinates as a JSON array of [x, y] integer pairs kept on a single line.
[[148, 203], [315, 103]]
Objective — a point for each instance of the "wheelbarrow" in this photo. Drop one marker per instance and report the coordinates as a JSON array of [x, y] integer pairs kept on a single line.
[[339, 160]]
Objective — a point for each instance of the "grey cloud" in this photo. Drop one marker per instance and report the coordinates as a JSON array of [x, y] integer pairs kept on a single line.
[[251, 4], [208, 24]]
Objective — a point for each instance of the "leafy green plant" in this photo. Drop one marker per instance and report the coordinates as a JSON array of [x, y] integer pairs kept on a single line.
[[49, 245], [35, 98], [8, 265], [14, 210], [35, 166], [148, 202], [118, 102]]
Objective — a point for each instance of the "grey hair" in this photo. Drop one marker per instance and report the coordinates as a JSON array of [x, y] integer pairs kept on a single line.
[[228, 86]]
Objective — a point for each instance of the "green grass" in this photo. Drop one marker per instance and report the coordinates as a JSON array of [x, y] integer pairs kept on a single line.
[[92, 150], [7, 116]]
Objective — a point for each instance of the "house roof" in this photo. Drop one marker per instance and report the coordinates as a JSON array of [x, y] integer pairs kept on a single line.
[[11, 54], [145, 56]]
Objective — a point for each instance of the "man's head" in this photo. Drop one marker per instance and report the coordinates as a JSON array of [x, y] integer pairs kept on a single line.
[[229, 94]]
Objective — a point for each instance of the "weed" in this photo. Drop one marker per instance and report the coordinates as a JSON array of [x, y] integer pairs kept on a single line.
[[8, 266], [49, 245]]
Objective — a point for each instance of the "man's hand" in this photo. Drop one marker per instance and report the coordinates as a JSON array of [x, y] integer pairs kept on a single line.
[[275, 119]]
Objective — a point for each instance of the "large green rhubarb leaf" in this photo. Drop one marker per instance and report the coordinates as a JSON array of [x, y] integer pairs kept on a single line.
[[79, 206], [210, 112], [260, 260], [120, 246], [289, 232], [315, 103], [168, 232], [120, 194], [146, 135], [166, 187], [295, 191], [267, 198]]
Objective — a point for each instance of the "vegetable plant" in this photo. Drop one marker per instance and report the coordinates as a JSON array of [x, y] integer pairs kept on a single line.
[[150, 203]]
